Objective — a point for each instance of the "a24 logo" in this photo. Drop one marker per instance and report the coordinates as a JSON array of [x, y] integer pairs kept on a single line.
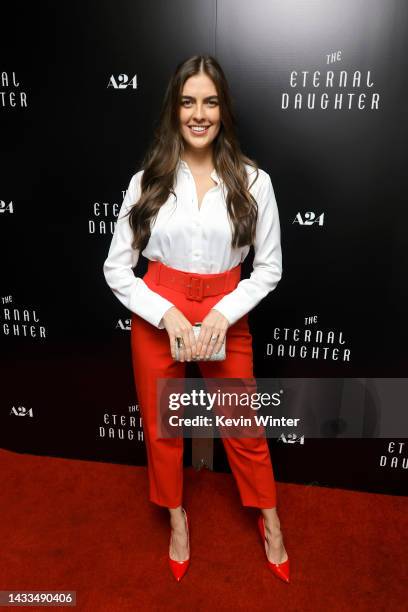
[[122, 81], [309, 218], [291, 438], [22, 411], [6, 207]]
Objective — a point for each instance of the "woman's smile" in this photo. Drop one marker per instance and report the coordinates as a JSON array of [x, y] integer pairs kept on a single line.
[[199, 130]]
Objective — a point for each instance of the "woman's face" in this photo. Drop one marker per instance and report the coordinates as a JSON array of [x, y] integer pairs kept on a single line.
[[199, 108]]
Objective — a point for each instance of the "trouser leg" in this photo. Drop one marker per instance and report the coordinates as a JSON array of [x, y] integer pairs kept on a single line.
[[249, 458], [152, 359]]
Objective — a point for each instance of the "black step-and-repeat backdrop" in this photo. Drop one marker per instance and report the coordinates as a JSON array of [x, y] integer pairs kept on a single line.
[[319, 91]]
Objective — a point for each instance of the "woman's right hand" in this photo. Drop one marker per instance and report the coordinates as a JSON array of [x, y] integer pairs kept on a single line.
[[177, 325]]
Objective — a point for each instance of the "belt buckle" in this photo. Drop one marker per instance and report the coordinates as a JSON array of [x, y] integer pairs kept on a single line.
[[195, 288]]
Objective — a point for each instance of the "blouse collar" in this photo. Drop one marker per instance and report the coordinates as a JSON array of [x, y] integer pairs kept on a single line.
[[186, 168]]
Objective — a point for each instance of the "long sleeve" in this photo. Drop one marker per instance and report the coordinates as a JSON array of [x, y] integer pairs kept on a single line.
[[131, 290], [267, 265]]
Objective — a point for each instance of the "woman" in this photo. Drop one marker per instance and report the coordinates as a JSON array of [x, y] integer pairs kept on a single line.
[[193, 212]]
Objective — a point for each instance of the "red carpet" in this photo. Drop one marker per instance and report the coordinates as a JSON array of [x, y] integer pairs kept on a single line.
[[89, 527]]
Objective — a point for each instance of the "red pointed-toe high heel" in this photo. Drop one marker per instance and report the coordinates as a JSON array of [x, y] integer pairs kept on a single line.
[[179, 568], [281, 570]]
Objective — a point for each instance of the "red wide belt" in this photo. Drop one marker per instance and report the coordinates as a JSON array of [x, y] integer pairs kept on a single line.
[[195, 286]]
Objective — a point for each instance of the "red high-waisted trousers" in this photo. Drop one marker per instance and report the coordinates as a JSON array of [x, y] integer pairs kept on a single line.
[[249, 458]]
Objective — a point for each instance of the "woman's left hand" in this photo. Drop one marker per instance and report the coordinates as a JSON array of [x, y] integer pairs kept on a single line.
[[214, 324]]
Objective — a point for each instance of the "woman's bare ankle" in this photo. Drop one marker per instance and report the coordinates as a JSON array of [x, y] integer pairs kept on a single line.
[[179, 544], [177, 519]]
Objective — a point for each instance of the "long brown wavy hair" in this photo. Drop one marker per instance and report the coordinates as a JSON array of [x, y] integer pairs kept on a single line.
[[166, 149]]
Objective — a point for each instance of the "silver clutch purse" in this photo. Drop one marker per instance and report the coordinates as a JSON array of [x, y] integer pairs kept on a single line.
[[220, 356]]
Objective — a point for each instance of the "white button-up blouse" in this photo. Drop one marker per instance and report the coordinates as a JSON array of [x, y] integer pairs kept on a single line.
[[198, 240]]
